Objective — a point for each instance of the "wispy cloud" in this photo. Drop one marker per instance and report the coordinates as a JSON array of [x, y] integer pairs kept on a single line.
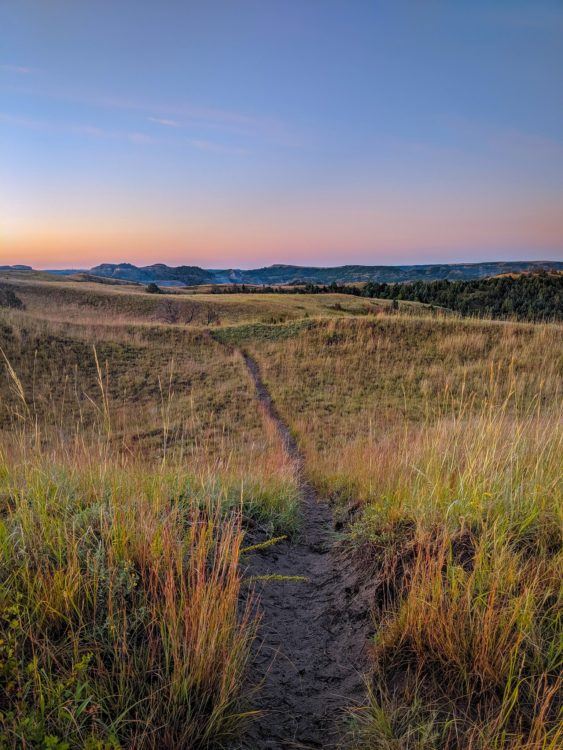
[[89, 131], [174, 114], [201, 144], [137, 138], [21, 70], [166, 123]]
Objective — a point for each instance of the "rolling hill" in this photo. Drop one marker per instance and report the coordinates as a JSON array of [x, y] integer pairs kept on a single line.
[[290, 274]]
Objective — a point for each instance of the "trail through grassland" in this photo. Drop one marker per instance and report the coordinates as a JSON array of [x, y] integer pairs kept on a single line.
[[309, 654]]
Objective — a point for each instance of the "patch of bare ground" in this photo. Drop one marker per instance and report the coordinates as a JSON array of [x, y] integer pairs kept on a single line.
[[310, 656]]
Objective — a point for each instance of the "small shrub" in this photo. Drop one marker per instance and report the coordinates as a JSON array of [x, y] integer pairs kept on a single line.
[[8, 298], [153, 288]]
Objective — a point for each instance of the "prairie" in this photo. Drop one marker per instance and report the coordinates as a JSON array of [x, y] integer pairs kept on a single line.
[[132, 462], [69, 301], [138, 468], [440, 445]]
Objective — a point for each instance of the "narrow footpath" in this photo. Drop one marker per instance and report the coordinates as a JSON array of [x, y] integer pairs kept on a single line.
[[311, 651]]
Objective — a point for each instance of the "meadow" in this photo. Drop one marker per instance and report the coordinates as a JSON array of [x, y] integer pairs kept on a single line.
[[440, 443], [138, 468]]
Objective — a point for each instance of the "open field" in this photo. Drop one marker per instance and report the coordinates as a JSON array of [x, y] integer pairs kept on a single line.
[[87, 302], [139, 459], [440, 443]]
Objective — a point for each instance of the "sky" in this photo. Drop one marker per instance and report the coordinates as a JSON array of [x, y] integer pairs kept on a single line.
[[239, 133]]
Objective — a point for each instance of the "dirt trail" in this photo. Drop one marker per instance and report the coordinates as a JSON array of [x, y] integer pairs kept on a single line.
[[310, 652]]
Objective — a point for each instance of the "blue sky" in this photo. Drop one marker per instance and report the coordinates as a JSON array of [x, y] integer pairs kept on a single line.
[[243, 133]]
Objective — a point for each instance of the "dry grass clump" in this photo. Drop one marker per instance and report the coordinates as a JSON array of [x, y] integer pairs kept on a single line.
[[119, 621], [462, 533]]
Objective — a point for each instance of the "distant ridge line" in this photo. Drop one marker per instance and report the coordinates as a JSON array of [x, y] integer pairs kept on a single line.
[[283, 274]]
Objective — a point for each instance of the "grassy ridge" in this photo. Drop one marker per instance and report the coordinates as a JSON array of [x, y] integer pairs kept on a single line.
[[68, 301], [529, 297]]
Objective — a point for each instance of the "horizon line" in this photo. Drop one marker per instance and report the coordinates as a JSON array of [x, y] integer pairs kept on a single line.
[[287, 265]]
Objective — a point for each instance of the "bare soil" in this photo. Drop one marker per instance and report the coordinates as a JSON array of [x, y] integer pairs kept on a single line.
[[310, 656]]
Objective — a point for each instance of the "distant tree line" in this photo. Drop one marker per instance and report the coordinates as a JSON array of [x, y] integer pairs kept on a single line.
[[534, 296]]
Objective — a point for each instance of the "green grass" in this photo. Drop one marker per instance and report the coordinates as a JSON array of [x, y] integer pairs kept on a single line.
[[118, 608], [237, 335]]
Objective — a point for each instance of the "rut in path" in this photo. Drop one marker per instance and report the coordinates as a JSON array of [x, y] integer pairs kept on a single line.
[[310, 652]]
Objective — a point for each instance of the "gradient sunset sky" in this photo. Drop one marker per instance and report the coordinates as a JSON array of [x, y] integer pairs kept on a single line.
[[240, 133]]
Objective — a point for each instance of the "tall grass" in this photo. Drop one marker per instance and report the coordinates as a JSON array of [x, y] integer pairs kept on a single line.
[[121, 623], [119, 605], [126, 487], [441, 442], [461, 529]]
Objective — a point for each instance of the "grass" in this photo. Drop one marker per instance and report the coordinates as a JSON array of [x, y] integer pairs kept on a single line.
[[165, 387], [119, 608], [134, 462], [348, 383], [71, 301], [466, 541], [132, 465], [441, 443]]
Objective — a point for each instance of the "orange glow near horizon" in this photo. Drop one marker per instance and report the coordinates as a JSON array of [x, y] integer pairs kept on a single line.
[[80, 256], [308, 238]]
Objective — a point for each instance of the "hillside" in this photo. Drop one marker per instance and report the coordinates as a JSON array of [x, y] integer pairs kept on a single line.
[[188, 275], [88, 302], [526, 296], [290, 274], [234, 519]]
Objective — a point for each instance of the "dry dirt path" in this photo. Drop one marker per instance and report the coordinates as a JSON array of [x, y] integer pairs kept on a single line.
[[310, 653]]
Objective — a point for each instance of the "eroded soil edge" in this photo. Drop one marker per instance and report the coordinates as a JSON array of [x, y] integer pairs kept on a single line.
[[310, 654]]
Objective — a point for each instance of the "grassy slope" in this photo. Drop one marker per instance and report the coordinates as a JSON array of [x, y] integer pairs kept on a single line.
[[448, 433], [129, 475], [344, 382], [86, 302], [445, 431]]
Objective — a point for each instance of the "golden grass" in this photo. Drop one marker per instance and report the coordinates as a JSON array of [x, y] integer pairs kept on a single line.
[[464, 538], [119, 606], [446, 438], [85, 302], [133, 456], [347, 382], [131, 464]]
